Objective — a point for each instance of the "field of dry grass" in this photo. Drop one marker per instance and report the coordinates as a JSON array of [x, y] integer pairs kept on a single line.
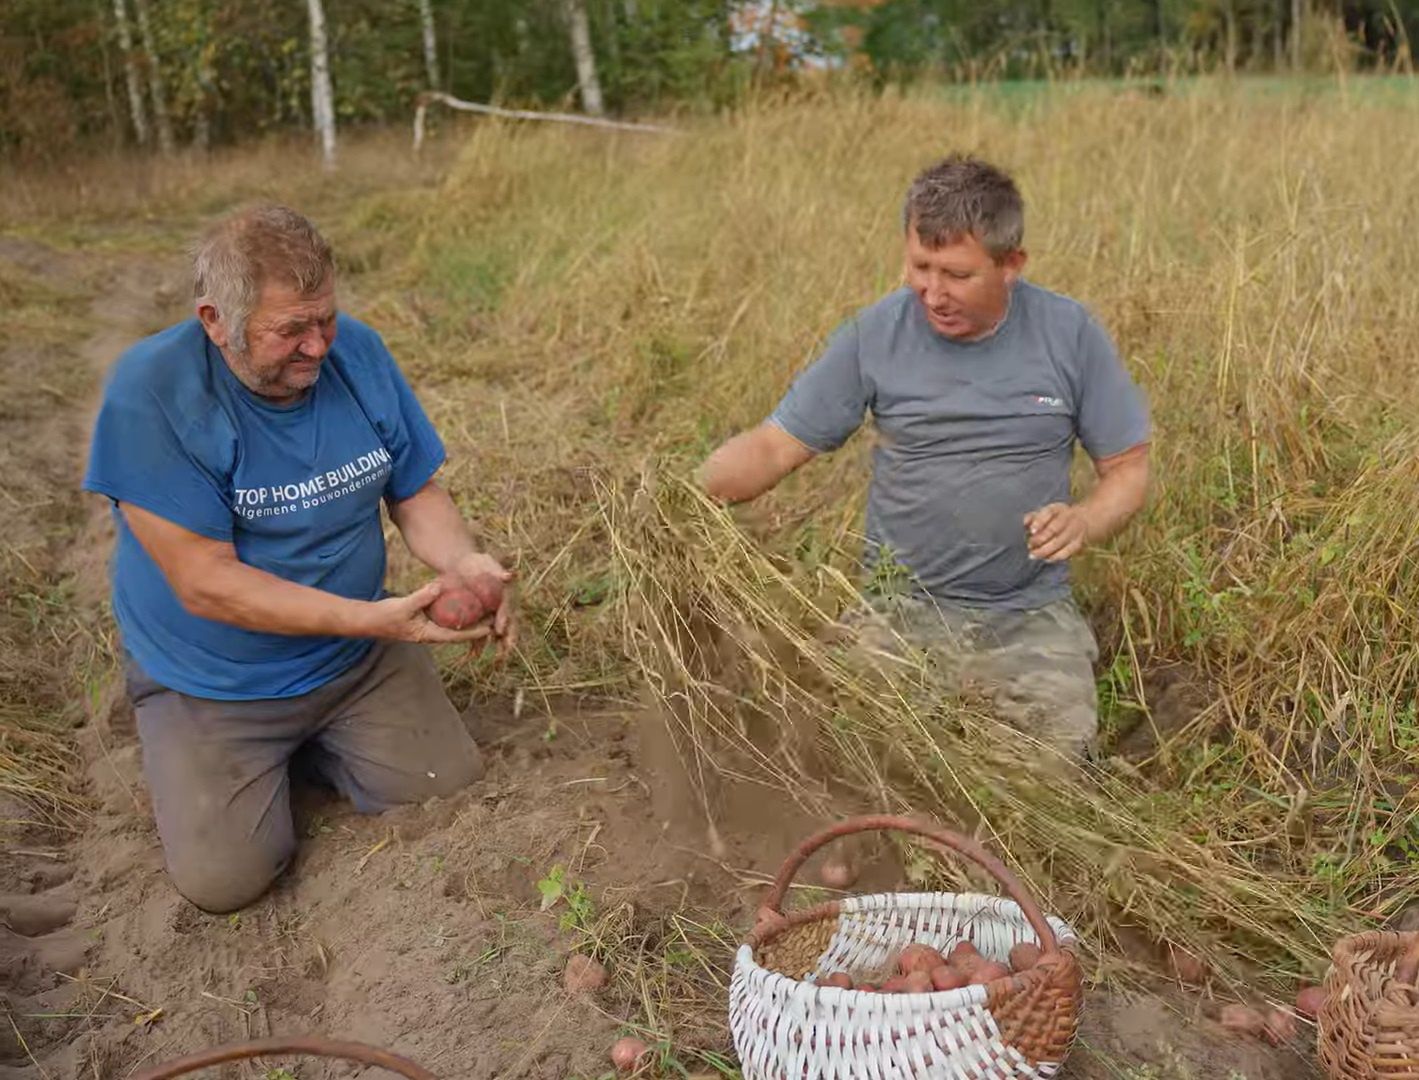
[[586, 315], [590, 316]]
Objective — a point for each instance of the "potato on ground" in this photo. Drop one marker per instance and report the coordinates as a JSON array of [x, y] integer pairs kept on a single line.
[[838, 874], [1243, 1019], [627, 1053], [1310, 1001], [583, 974], [1280, 1027], [1189, 969]]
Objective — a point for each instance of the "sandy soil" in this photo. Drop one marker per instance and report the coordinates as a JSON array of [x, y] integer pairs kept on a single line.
[[421, 930]]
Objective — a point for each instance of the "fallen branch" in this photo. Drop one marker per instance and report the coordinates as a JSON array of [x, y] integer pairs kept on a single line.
[[430, 97]]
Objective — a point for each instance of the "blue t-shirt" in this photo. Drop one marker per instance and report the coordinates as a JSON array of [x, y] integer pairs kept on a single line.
[[296, 489]]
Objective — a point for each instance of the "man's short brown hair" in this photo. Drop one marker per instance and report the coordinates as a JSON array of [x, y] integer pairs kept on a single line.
[[960, 195]]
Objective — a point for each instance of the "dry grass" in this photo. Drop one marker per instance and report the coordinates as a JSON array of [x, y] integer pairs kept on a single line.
[[588, 315]]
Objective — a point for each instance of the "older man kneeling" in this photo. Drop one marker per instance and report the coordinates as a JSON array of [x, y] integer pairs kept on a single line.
[[246, 452]]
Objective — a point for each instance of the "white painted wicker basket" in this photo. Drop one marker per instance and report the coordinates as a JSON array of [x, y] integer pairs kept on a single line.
[[786, 1027]]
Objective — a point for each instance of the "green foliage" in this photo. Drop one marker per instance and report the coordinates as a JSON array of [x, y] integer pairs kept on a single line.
[[555, 888], [233, 68]]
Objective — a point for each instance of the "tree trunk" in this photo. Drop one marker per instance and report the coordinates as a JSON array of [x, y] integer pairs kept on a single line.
[[1106, 45], [156, 86], [585, 58], [322, 98], [1278, 35], [1229, 15], [115, 121], [130, 74], [207, 84], [768, 43], [204, 77], [1158, 34], [431, 49], [1298, 16]]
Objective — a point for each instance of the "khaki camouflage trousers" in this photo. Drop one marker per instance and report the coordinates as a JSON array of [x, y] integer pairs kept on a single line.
[[1037, 666]]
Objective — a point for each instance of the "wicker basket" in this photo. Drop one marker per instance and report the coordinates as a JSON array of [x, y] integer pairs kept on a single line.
[[786, 1027], [1369, 1024]]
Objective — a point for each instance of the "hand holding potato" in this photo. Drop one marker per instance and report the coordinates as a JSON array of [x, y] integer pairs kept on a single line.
[[478, 589], [406, 618]]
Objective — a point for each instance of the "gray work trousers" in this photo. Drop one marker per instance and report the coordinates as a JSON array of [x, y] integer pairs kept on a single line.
[[383, 733]]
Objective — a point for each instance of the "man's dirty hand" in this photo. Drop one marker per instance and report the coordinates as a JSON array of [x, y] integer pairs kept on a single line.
[[504, 625], [1057, 532]]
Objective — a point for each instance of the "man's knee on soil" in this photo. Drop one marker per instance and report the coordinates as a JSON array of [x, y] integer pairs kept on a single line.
[[468, 769], [221, 881], [391, 784]]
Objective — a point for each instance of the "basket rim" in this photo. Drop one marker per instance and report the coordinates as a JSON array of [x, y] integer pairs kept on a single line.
[[1067, 937], [1015, 982], [1348, 947]]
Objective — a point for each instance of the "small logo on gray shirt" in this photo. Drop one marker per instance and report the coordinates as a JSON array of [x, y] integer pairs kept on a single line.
[[1052, 402]]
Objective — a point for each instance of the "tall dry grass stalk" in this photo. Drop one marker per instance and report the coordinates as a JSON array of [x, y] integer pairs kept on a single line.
[[590, 314]]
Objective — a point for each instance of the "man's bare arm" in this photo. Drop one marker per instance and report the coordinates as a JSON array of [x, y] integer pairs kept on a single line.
[[752, 462], [211, 582], [1060, 531]]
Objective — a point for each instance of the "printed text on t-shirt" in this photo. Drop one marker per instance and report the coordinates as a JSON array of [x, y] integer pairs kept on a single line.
[[284, 498]]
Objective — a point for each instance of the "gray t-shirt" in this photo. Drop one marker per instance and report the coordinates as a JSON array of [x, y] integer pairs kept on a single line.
[[972, 436]]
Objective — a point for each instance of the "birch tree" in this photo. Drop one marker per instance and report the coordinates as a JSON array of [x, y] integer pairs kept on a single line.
[[322, 98], [136, 108], [585, 58], [207, 89], [156, 87], [431, 52]]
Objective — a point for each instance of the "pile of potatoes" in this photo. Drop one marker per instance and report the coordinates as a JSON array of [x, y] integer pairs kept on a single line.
[[1276, 1026], [921, 969]]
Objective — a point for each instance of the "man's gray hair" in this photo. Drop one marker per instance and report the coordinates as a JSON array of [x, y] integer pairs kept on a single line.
[[960, 195], [245, 250]]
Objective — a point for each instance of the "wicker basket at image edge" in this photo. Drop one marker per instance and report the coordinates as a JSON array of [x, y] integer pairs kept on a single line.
[[786, 1027], [1369, 1024], [283, 1045]]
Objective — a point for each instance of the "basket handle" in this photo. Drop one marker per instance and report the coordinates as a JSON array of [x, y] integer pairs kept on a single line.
[[772, 908], [298, 1044]]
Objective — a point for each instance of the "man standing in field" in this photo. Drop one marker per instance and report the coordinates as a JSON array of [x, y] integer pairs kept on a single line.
[[979, 384], [246, 452]]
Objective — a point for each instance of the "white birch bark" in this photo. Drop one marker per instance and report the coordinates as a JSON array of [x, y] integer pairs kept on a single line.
[[322, 97], [136, 109], [157, 89], [585, 58], [431, 51]]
